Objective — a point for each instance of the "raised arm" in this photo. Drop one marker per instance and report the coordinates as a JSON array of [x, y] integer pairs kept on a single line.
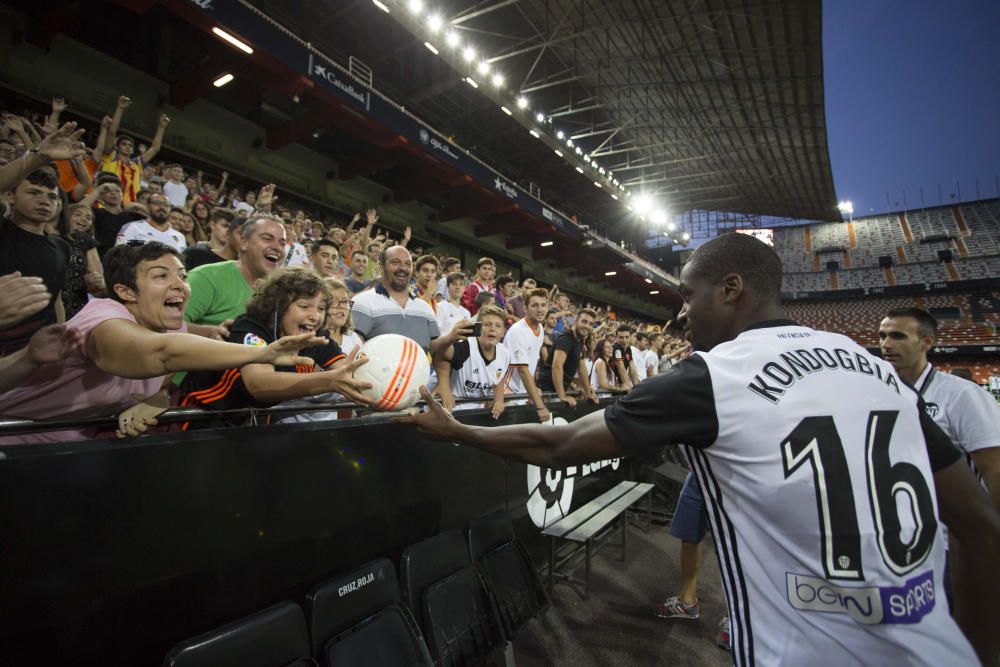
[[442, 366], [63, 144], [116, 120], [123, 348], [154, 148]]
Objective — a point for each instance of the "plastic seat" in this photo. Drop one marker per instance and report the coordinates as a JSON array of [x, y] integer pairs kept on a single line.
[[510, 575], [450, 601], [358, 619], [274, 637]]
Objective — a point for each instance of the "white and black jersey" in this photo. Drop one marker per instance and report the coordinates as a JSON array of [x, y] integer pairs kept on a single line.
[[525, 345], [816, 464], [968, 415], [472, 376]]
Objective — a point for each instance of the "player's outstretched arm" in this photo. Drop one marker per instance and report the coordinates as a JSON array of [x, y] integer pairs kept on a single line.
[[974, 534], [586, 439]]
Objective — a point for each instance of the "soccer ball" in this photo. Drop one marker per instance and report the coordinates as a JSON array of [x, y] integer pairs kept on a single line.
[[396, 367]]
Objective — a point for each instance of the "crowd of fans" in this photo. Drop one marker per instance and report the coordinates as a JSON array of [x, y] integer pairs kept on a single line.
[[129, 284]]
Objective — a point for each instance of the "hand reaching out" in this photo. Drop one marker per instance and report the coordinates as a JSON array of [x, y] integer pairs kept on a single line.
[[137, 419], [63, 144], [435, 422], [21, 297], [282, 352]]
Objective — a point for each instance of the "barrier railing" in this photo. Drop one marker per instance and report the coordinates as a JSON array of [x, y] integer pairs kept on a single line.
[[12, 425]]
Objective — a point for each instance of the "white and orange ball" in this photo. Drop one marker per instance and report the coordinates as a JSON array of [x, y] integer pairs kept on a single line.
[[397, 367]]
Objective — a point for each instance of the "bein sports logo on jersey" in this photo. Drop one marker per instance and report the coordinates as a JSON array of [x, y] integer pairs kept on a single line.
[[550, 492], [871, 605]]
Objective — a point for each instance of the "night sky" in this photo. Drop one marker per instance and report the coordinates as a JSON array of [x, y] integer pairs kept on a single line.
[[912, 100]]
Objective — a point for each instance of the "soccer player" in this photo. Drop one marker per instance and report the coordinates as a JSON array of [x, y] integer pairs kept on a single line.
[[819, 472], [475, 367], [524, 340], [967, 414]]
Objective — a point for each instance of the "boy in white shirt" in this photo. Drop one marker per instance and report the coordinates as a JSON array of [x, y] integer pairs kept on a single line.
[[451, 311]]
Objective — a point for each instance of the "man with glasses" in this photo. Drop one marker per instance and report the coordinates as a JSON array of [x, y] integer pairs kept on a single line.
[[155, 228]]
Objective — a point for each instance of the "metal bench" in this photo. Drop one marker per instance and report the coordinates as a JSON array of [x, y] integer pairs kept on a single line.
[[590, 526]]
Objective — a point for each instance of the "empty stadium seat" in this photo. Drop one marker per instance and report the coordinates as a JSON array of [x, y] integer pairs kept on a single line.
[[510, 575], [450, 601], [274, 637], [358, 619]]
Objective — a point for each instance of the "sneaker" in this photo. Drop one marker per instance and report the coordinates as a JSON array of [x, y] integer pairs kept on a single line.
[[674, 608], [722, 638]]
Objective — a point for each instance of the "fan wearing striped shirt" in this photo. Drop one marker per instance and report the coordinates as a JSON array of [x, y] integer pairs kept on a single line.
[[290, 299]]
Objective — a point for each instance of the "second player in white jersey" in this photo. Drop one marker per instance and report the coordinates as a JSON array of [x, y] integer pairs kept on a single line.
[[525, 345]]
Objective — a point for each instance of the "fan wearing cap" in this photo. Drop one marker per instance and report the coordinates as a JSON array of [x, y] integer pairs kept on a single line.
[[292, 299]]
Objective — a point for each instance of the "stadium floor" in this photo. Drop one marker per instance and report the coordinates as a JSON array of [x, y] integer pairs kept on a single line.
[[616, 625]]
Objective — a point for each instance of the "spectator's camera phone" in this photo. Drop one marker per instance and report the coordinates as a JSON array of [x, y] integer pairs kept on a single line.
[[477, 330]]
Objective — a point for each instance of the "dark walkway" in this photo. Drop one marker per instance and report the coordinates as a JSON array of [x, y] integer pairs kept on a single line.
[[616, 626]]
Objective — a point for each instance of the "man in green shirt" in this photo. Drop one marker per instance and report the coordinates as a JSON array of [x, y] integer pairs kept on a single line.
[[220, 291]]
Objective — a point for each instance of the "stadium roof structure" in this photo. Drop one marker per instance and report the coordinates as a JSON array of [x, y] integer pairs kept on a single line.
[[703, 104]]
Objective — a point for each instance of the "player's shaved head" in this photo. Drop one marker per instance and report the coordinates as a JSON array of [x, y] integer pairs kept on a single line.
[[755, 261]]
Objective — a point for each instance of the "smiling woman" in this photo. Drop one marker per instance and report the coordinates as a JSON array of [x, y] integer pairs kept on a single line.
[[131, 343], [292, 301]]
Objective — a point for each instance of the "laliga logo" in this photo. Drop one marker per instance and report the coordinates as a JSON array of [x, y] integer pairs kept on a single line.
[[550, 492]]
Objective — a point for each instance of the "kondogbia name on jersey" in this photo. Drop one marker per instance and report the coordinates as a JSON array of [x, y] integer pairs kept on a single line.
[[779, 375]]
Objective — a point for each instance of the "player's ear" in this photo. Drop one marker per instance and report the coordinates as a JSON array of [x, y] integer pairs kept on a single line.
[[732, 287]]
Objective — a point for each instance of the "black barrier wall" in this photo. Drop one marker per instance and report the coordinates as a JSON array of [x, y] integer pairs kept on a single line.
[[113, 551]]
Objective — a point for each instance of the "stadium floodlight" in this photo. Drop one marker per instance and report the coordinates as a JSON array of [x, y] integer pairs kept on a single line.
[[497, 80], [381, 5], [658, 218], [600, 170], [431, 48], [507, 111], [569, 142], [559, 135], [559, 152], [579, 151], [238, 43], [546, 244], [586, 158], [644, 204], [540, 117], [223, 80], [451, 39], [469, 80], [522, 102], [611, 273], [483, 68], [846, 208], [434, 22], [468, 54], [685, 236], [416, 6], [671, 227]]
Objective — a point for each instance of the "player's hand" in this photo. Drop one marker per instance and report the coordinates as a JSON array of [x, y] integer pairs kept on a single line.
[[343, 382], [434, 422], [21, 297], [570, 401], [53, 343], [137, 419], [282, 352], [544, 415]]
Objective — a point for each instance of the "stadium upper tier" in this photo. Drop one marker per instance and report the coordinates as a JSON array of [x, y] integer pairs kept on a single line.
[[944, 244]]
